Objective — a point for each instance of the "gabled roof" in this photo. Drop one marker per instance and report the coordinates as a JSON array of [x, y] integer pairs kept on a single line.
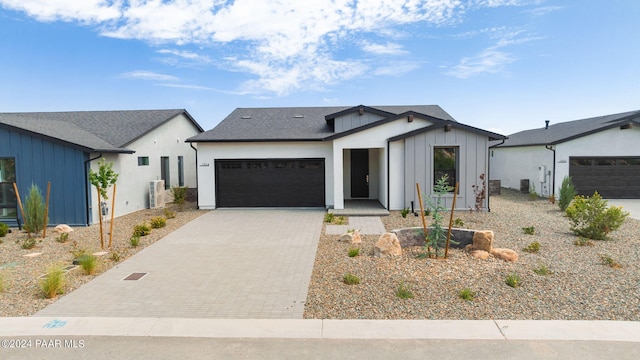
[[566, 131], [94, 131], [299, 123]]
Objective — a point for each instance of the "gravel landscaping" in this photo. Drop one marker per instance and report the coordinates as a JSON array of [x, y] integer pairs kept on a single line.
[[22, 295], [580, 286]]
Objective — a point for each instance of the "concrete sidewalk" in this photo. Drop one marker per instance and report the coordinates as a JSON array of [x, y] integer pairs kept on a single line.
[[242, 264]]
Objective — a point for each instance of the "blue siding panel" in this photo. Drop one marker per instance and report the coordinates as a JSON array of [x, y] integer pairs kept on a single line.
[[40, 161]]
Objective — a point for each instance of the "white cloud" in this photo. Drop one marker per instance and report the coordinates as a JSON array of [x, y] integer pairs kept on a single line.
[[494, 58], [544, 10], [148, 75], [383, 49], [286, 45], [396, 68]]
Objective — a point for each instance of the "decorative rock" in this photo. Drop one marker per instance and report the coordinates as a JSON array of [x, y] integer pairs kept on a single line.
[[356, 238], [507, 255], [388, 244], [63, 228], [348, 237], [479, 254], [483, 240]]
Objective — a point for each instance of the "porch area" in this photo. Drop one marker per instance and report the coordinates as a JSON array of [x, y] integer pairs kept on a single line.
[[361, 207]]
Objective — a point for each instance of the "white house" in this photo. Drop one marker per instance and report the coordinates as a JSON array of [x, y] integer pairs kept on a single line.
[[600, 154], [60, 147], [326, 156]]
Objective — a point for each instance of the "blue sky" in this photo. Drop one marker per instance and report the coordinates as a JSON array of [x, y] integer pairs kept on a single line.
[[500, 65]]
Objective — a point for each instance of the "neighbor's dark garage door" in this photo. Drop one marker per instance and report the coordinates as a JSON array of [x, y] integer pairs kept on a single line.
[[270, 183], [613, 178]]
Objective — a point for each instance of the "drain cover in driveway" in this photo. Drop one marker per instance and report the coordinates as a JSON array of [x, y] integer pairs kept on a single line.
[[135, 276]]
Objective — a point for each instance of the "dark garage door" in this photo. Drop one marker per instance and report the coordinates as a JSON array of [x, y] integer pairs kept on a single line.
[[270, 183], [613, 178]]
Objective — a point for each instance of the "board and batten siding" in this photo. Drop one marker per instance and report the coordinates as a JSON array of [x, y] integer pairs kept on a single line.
[[355, 120], [39, 161], [418, 165]]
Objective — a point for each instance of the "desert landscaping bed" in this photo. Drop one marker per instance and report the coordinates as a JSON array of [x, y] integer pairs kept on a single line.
[[22, 295], [580, 284]]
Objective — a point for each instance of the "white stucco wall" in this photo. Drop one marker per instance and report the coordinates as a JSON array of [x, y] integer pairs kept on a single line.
[[209, 152], [133, 181], [511, 164]]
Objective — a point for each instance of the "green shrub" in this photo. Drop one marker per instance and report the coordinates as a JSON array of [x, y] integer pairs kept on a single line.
[[533, 247], [63, 238], [404, 212], [513, 280], [169, 214], [532, 192], [34, 210], [135, 240], [116, 257], [141, 230], [354, 252], [591, 218], [567, 193], [328, 217], [350, 279], [458, 222], [53, 283], [158, 222], [4, 229], [543, 270], [609, 261], [403, 291], [28, 243], [466, 294], [583, 242], [179, 194], [89, 263], [529, 230]]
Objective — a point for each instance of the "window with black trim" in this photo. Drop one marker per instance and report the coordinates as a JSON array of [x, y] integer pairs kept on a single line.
[[143, 160], [445, 162]]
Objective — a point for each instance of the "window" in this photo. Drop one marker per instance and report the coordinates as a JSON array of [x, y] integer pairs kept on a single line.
[[8, 200], [164, 172], [143, 160], [180, 171], [445, 162]]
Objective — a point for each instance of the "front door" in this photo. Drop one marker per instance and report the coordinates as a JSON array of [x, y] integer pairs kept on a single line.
[[360, 173]]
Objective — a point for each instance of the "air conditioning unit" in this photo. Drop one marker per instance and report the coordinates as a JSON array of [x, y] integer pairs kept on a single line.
[[156, 194]]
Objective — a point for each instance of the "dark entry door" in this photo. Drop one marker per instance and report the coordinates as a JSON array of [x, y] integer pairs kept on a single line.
[[359, 173]]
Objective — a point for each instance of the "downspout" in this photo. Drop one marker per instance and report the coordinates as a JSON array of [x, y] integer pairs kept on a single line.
[[553, 179], [197, 197], [489, 173], [87, 187]]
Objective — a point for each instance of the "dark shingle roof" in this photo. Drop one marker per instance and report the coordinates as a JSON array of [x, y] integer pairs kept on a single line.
[[566, 131], [293, 123], [107, 131]]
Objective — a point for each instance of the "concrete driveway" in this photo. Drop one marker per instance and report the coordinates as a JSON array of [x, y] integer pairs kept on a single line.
[[252, 264], [630, 205]]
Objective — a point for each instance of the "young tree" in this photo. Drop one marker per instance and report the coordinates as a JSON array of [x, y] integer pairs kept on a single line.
[[35, 210], [102, 180]]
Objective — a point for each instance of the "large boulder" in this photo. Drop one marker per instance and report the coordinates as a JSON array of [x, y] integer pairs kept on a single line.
[[352, 237], [388, 244], [507, 255], [479, 254], [483, 240], [63, 228]]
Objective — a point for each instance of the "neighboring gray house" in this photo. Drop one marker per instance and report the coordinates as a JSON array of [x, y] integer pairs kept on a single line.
[[600, 154], [60, 147], [324, 156]]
